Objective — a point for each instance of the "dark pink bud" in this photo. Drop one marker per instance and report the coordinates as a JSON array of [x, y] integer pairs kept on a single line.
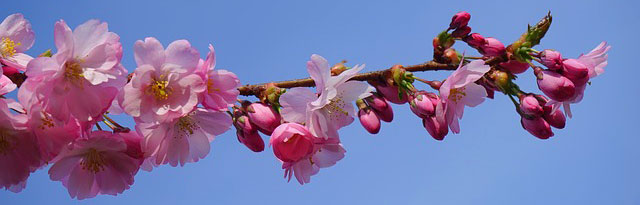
[[422, 105], [263, 116], [252, 140], [369, 120], [390, 93], [552, 59], [460, 19], [461, 32], [437, 129], [381, 107], [292, 142], [556, 86], [242, 123], [555, 119], [492, 47], [577, 72], [537, 127], [514, 66], [530, 105], [475, 40]]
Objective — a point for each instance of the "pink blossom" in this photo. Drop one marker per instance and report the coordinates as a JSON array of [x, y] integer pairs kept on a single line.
[[575, 71], [555, 118], [475, 40], [436, 124], [96, 165], [391, 94], [461, 32], [183, 139], [221, 85], [19, 153], [381, 107], [460, 89], [331, 107], [164, 86], [556, 86], [16, 37], [552, 59], [247, 133], [422, 105], [529, 105], [264, 117], [6, 85], [86, 66], [52, 135], [291, 142], [369, 120]]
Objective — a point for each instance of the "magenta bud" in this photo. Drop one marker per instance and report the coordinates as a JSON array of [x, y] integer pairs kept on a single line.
[[537, 127], [459, 20], [369, 120], [292, 142], [577, 72], [492, 47], [422, 105], [252, 140], [514, 66], [461, 32], [390, 93], [530, 105], [556, 86], [436, 128], [263, 116], [555, 119], [242, 123], [381, 107], [475, 40], [552, 59]]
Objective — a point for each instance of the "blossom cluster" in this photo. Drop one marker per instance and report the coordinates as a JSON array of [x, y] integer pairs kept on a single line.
[[180, 102]]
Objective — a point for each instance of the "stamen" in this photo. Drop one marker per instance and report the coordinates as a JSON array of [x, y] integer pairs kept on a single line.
[[187, 126], [210, 87], [335, 107], [159, 89], [47, 122], [73, 72], [457, 94], [93, 161], [8, 47]]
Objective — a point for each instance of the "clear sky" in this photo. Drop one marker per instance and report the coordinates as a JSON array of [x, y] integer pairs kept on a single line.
[[594, 160]]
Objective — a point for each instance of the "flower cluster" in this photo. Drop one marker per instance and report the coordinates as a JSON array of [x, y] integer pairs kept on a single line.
[[180, 102]]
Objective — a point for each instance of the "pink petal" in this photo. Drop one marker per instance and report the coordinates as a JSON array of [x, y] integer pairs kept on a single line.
[[181, 53], [149, 51], [18, 29], [318, 68], [63, 38], [294, 104]]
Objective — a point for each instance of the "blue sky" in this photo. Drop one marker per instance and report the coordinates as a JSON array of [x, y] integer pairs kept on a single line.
[[594, 160]]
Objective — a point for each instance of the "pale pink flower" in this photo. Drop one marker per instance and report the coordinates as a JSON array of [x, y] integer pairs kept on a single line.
[[99, 164], [460, 90], [86, 66], [331, 107], [164, 86], [16, 37], [221, 91], [19, 154], [183, 139], [52, 135]]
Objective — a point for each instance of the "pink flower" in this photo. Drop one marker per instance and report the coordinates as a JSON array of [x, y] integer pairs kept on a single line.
[[461, 32], [19, 153], [555, 118], [164, 86], [537, 126], [221, 86], [391, 93], [16, 37], [332, 107], [6, 85], [552, 59], [381, 107], [460, 19], [86, 66], [96, 165], [264, 117], [303, 154], [52, 135], [515, 67], [556, 86], [492, 47], [184, 139], [436, 125], [460, 89], [575, 71], [369, 120]]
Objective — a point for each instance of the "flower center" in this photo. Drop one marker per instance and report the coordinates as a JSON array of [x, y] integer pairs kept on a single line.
[[47, 122], [187, 125], [8, 47], [73, 72], [160, 89], [211, 87], [335, 107], [93, 161], [457, 94]]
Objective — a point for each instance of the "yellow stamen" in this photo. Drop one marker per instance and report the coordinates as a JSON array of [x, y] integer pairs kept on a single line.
[[159, 89], [187, 125], [73, 72], [8, 47], [210, 87], [335, 106], [47, 122], [457, 94], [93, 161]]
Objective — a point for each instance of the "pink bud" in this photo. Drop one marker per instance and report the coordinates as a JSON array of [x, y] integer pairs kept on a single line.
[[537, 127], [381, 107], [391, 94], [492, 47], [552, 59], [369, 120], [577, 72], [252, 140], [422, 104], [514, 66], [556, 86], [475, 40], [263, 116], [292, 142], [436, 128], [555, 119], [529, 105], [461, 32], [460, 19], [242, 123]]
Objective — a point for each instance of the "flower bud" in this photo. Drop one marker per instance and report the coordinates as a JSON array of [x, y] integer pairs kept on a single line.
[[492, 47], [452, 55], [514, 66], [577, 72], [529, 105], [369, 120], [252, 140], [537, 127], [263, 116], [555, 119], [381, 107], [422, 105], [292, 142], [461, 32], [436, 128], [391, 94], [556, 86], [475, 40], [459, 20], [552, 59], [242, 123]]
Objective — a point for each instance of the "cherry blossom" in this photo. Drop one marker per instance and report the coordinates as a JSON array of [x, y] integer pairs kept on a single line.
[[221, 85], [16, 37], [460, 90]]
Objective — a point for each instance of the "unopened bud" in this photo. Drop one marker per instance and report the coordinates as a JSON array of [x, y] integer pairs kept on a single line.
[[437, 129], [577, 72], [461, 32], [514, 66], [381, 107], [475, 40], [252, 140], [263, 116], [556, 86], [369, 120], [551, 59], [459, 20], [529, 105], [537, 126], [492, 47], [422, 105]]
